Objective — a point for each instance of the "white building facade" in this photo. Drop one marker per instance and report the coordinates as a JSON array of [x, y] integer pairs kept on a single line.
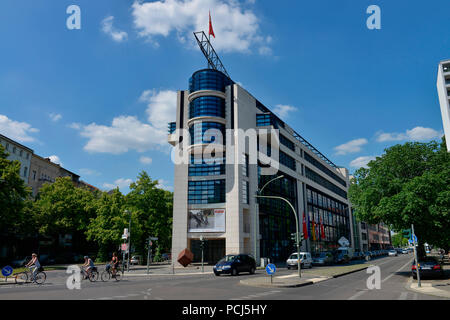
[[443, 88], [18, 152], [216, 200]]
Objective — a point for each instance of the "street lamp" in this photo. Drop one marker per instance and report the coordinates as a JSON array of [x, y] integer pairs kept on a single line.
[[129, 240], [202, 246], [296, 220], [255, 236]]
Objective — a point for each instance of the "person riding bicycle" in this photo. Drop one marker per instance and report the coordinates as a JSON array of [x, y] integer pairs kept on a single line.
[[34, 262], [114, 263], [88, 265]]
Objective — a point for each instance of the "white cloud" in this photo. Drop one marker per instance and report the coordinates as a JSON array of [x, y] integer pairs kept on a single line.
[[145, 160], [75, 125], [116, 35], [164, 184], [415, 134], [125, 133], [55, 117], [282, 110], [161, 108], [55, 159], [361, 161], [237, 29], [350, 147], [121, 183], [15, 130], [128, 132]]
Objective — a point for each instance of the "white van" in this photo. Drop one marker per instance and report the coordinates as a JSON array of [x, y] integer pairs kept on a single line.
[[305, 260]]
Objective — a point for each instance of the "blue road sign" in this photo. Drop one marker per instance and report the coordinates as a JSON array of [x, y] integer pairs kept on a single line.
[[7, 271], [271, 269], [411, 239]]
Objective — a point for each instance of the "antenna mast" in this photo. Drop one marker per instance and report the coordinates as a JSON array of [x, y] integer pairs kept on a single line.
[[209, 52]]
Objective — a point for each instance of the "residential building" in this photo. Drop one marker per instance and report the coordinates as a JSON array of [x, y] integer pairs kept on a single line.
[[379, 237], [18, 152], [443, 87], [42, 170], [217, 200]]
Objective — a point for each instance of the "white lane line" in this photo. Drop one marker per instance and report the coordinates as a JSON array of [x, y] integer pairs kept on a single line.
[[393, 274], [403, 296], [353, 297]]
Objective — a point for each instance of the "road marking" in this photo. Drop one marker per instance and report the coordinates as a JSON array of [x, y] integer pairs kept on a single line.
[[353, 297], [388, 277]]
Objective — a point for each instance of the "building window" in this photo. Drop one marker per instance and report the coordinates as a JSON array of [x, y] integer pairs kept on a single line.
[[245, 165], [7, 146], [206, 167], [288, 161], [21, 152], [34, 175], [286, 142], [216, 131], [14, 150], [245, 194], [25, 171], [209, 79], [204, 192], [207, 106], [28, 156], [324, 169], [310, 174]]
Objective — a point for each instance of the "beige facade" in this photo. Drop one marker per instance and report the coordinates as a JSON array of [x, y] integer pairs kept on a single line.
[[42, 171]]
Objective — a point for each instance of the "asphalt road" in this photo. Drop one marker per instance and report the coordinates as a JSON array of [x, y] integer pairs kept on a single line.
[[395, 274]]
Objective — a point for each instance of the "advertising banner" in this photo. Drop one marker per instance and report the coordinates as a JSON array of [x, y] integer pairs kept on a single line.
[[206, 220]]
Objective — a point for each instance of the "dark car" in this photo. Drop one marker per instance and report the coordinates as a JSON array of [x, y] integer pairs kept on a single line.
[[234, 264], [428, 267], [21, 262]]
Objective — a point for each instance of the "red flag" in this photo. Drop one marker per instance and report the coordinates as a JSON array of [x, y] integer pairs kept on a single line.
[[305, 228], [211, 31], [322, 229]]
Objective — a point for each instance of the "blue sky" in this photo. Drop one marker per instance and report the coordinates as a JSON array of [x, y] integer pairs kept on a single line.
[[99, 98]]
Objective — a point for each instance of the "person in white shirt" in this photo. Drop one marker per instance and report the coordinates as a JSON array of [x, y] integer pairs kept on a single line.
[[34, 262]]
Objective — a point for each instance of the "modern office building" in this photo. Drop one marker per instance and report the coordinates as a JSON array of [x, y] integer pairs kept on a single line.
[[443, 87], [18, 152], [217, 200], [379, 237]]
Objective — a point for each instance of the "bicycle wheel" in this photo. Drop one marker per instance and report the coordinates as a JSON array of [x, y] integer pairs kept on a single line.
[[21, 278], [93, 276], [105, 276], [40, 277]]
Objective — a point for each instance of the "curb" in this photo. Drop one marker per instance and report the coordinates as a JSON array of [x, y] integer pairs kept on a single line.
[[349, 272], [428, 289]]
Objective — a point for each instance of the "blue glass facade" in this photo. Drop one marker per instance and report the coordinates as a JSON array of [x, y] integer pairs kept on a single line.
[[209, 79], [198, 136], [204, 192], [207, 106]]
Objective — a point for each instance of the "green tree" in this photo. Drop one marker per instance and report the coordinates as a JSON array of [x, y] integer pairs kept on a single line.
[[408, 184], [62, 208], [13, 193], [106, 228], [399, 241], [151, 210]]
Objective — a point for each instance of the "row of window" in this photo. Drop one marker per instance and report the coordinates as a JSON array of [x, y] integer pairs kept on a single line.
[[287, 160], [19, 152], [172, 126], [204, 192], [310, 174], [206, 167], [286, 142], [215, 134], [323, 168], [207, 106], [322, 201], [209, 79]]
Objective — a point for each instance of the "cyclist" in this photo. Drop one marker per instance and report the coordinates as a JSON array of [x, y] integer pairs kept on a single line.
[[114, 263], [88, 265], [34, 262]]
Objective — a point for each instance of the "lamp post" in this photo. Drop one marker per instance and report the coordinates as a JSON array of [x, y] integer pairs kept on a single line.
[[202, 246], [296, 221], [258, 193]]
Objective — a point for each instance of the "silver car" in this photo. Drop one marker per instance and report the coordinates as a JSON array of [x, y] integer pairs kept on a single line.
[[323, 259]]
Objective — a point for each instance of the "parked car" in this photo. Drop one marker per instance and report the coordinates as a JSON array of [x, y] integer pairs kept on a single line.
[[405, 251], [393, 253], [166, 256], [343, 255], [135, 260], [305, 260], [322, 259], [234, 264], [46, 259], [428, 267]]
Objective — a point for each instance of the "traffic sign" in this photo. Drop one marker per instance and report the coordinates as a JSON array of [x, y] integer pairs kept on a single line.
[[413, 237], [271, 269], [124, 247], [7, 271]]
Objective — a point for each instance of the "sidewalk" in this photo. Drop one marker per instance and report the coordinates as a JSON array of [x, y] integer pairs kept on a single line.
[[168, 270], [308, 276], [434, 287]]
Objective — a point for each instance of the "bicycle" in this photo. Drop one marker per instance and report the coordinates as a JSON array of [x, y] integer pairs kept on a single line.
[[107, 274], [92, 276], [22, 277]]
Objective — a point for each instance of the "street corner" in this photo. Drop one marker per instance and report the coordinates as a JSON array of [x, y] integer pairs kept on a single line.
[[434, 289]]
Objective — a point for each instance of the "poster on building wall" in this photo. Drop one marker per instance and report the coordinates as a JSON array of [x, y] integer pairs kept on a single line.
[[206, 220]]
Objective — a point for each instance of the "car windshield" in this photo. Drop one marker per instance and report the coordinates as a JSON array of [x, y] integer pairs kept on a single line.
[[293, 256], [228, 258]]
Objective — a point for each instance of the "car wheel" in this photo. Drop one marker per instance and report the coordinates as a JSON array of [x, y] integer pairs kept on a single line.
[[288, 267], [234, 272], [310, 265], [415, 277], [216, 273], [252, 270]]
